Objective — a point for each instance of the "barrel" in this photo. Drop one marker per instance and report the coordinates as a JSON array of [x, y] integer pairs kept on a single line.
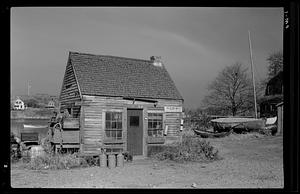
[[120, 160], [103, 160], [36, 151], [111, 161]]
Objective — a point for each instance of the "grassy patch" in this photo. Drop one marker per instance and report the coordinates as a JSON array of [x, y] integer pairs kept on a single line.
[[190, 149]]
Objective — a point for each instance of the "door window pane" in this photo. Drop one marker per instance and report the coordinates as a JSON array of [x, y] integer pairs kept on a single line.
[[134, 121]]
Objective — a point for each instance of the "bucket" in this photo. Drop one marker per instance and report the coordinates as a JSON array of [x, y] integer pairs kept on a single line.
[[120, 160], [103, 160], [111, 161], [36, 151]]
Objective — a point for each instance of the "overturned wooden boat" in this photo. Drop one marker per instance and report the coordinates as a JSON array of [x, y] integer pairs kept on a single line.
[[34, 126], [211, 134], [225, 124]]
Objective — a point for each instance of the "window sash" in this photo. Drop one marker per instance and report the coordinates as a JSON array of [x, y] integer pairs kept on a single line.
[[155, 124], [113, 125]]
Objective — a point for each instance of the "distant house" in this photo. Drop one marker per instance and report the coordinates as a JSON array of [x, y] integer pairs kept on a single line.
[[19, 105], [122, 104], [51, 104], [273, 96]]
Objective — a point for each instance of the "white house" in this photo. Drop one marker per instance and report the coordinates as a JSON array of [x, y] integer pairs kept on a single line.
[[19, 105], [51, 104]]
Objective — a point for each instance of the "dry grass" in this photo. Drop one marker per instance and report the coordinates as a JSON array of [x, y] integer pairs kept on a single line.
[[235, 136]]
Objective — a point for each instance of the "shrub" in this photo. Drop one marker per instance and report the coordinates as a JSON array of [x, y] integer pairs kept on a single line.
[[57, 161], [92, 161], [204, 121], [190, 149], [15, 151]]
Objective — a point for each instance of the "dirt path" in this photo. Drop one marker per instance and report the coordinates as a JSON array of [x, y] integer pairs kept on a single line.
[[248, 162]]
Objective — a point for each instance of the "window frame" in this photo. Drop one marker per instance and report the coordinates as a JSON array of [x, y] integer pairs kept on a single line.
[[116, 130], [161, 129]]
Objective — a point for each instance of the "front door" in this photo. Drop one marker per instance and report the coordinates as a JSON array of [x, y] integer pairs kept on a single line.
[[135, 131]]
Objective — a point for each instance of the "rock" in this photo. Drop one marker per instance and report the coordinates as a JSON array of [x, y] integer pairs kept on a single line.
[[194, 185]]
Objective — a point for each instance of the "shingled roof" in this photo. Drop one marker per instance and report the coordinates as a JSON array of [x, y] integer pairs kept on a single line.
[[103, 75]]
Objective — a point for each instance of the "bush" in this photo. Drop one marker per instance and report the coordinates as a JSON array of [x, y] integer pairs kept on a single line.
[[15, 151], [190, 149], [58, 161], [204, 121], [92, 161], [32, 103]]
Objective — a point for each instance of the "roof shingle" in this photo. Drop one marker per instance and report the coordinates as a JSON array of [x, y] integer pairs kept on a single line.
[[103, 75]]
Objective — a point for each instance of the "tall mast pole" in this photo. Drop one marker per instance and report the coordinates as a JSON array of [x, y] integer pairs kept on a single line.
[[253, 80], [28, 88]]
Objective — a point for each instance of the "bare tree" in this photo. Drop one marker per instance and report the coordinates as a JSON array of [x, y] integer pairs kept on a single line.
[[231, 91], [275, 65], [275, 61]]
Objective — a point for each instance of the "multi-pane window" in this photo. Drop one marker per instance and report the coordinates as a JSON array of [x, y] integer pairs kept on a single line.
[[113, 125], [155, 124]]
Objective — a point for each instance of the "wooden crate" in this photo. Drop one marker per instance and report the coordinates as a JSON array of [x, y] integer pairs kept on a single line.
[[29, 137]]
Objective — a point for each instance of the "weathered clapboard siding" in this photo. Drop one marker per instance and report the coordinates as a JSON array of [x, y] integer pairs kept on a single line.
[[94, 106], [92, 136], [68, 96]]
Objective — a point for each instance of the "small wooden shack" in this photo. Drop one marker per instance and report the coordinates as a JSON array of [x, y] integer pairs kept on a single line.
[[121, 104]]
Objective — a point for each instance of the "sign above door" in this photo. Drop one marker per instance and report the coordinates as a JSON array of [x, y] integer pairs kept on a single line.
[[173, 109]]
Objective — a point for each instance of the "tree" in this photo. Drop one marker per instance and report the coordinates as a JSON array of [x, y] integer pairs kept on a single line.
[[275, 61], [32, 103], [231, 92]]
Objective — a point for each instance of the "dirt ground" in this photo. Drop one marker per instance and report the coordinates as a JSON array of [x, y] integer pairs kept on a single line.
[[249, 161]]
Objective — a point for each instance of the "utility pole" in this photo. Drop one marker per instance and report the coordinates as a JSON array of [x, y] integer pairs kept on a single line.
[[28, 88], [253, 80]]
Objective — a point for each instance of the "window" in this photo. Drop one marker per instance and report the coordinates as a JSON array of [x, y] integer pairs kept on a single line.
[[155, 124], [113, 125]]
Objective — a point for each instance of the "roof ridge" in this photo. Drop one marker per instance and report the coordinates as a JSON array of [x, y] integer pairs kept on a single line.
[[111, 56]]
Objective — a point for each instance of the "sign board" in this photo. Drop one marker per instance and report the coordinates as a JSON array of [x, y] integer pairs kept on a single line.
[[173, 109]]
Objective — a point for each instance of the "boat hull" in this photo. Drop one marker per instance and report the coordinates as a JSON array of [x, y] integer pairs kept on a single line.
[[208, 134], [247, 124], [35, 126]]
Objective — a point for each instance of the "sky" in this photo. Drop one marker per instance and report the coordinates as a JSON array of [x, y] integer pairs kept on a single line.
[[195, 43]]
